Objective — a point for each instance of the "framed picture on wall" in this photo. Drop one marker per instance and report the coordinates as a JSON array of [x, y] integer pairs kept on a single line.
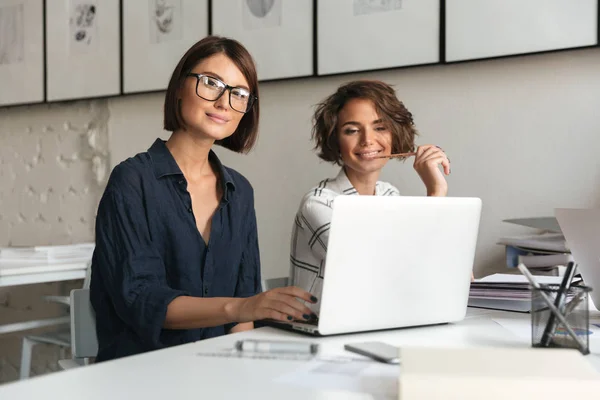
[[278, 33], [156, 33], [21, 52], [478, 29], [82, 49], [360, 35]]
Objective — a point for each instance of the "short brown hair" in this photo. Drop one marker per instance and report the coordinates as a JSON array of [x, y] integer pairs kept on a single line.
[[391, 110], [244, 137]]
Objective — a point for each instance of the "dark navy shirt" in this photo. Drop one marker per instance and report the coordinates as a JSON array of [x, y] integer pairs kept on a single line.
[[149, 251]]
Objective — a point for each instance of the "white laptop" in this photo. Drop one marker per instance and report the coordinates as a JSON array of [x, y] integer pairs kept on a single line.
[[396, 262], [581, 228]]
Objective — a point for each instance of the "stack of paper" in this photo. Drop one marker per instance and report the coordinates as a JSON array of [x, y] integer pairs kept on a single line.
[[496, 373], [505, 292], [546, 252], [549, 242], [63, 254]]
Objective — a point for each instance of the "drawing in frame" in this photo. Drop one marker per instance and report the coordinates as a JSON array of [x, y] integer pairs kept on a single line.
[[156, 34], [21, 52], [494, 28], [82, 49], [361, 35], [278, 33]]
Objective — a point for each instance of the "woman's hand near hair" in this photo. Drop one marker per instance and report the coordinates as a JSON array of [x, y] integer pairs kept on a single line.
[[282, 304], [427, 163]]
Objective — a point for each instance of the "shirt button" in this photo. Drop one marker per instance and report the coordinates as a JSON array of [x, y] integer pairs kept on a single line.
[[205, 291], [190, 209]]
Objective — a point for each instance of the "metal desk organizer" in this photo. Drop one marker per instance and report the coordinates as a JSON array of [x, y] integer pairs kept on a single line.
[[549, 330]]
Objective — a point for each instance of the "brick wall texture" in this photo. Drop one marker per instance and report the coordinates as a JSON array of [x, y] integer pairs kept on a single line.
[[53, 167]]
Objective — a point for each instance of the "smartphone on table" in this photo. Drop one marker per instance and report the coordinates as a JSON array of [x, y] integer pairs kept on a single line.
[[379, 351]]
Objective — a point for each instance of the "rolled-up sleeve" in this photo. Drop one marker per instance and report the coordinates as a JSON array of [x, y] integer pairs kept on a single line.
[[130, 268]]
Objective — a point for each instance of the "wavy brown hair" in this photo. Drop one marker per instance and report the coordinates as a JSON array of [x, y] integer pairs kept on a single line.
[[394, 114], [244, 137]]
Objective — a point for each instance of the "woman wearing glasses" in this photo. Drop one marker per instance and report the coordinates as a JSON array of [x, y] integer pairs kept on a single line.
[[176, 256], [356, 128]]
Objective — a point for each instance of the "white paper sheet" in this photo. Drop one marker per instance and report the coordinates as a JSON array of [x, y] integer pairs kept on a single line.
[[518, 278], [378, 379]]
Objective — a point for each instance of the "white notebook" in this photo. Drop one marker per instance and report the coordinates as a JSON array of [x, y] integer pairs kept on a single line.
[[496, 374]]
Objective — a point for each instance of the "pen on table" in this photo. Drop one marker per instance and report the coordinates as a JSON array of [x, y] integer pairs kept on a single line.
[[259, 346], [559, 303], [552, 307]]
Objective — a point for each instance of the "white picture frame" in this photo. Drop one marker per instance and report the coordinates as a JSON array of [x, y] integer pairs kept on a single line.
[[21, 52], [156, 34], [82, 49], [278, 34], [362, 35], [478, 29]]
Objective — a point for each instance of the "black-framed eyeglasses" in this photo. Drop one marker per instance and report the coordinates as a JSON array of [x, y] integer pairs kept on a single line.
[[211, 89]]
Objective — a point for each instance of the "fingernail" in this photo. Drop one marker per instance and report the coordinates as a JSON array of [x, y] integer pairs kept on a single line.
[[306, 316], [313, 299], [290, 318]]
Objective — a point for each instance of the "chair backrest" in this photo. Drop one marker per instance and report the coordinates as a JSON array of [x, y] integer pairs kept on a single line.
[[88, 275], [273, 283], [84, 342]]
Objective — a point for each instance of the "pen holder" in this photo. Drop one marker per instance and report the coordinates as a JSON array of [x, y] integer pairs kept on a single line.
[[546, 328]]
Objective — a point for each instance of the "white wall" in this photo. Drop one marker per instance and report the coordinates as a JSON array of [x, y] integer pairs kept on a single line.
[[522, 134]]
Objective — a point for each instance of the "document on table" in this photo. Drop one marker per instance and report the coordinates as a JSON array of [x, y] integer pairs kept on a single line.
[[377, 379]]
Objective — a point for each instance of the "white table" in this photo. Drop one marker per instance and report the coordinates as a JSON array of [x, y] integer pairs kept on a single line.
[[178, 372], [19, 273]]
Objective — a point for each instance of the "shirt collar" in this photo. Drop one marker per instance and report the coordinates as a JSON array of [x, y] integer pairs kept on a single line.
[[342, 185], [164, 164]]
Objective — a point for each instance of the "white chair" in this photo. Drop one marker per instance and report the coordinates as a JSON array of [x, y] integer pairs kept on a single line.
[[60, 337], [273, 283], [84, 342]]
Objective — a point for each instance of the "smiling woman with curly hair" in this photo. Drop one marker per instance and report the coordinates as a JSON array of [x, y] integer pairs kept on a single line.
[[358, 127]]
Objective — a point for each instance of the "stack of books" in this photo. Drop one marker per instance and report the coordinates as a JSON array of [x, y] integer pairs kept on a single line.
[[546, 253]]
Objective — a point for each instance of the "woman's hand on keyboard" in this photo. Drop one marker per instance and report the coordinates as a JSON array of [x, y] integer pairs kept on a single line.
[[281, 304]]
